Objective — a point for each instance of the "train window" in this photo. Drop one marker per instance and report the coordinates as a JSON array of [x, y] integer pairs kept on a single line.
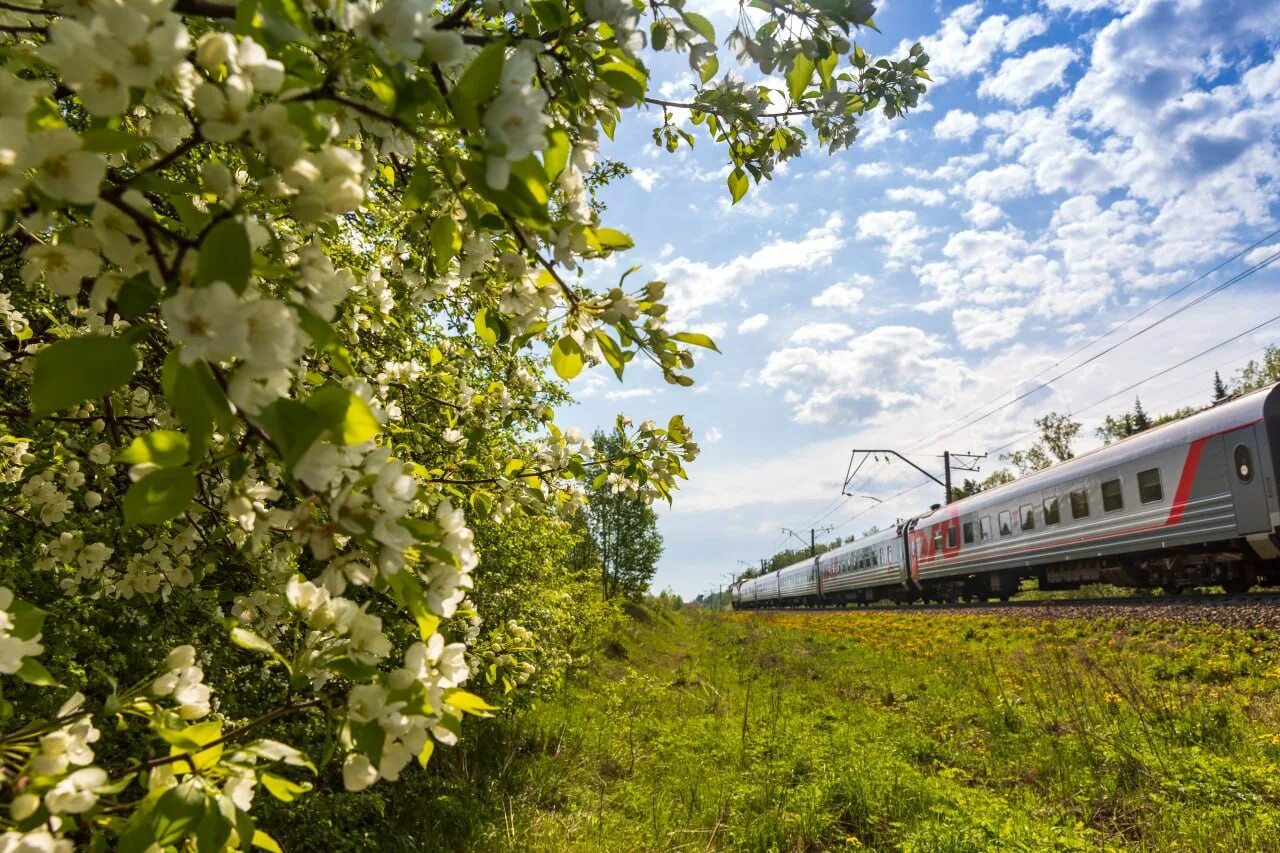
[[1244, 463], [1004, 519], [1052, 512], [1112, 498], [953, 536], [1149, 490], [1080, 504], [968, 533], [1028, 513], [985, 528], [937, 539]]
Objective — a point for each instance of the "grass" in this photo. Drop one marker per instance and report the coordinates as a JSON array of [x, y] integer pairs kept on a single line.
[[886, 731]]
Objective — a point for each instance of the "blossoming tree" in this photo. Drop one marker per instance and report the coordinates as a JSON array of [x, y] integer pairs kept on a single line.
[[281, 279]]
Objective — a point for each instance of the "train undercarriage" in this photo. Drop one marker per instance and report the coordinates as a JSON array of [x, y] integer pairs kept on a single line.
[[1236, 569]]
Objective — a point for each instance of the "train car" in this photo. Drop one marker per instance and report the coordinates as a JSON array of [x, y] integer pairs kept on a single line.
[[1189, 503], [864, 570]]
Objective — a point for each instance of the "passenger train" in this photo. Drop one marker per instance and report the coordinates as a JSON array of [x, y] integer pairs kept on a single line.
[[1189, 503]]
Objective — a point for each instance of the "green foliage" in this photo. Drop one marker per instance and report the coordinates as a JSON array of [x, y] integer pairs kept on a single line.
[[1057, 433], [621, 532], [887, 731]]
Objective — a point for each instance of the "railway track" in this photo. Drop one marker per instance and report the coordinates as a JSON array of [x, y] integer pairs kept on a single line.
[[1248, 610]]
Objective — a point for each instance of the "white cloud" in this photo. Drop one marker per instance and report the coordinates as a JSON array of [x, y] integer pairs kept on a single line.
[[633, 394], [646, 178], [754, 323], [844, 296], [1020, 79], [967, 42], [820, 333], [999, 183], [695, 285], [919, 195], [872, 170], [878, 371], [983, 328], [983, 214], [898, 230], [956, 124], [711, 436]]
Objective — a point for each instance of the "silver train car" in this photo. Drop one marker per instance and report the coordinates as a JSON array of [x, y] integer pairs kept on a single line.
[[1189, 503]]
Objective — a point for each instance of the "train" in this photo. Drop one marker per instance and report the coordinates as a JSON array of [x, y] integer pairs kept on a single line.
[[1190, 503]]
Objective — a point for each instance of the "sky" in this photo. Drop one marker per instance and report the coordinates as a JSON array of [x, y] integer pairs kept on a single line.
[[1075, 163]]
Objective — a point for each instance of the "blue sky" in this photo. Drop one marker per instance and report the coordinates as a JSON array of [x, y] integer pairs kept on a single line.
[[1076, 162]]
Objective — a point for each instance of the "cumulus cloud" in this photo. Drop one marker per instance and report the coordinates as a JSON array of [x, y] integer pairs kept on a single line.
[[646, 178], [872, 170], [1020, 79], [820, 333], [898, 231], [956, 124], [919, 195], [754, 323], [967, 42], [999, 183], [844, 296], [878, 371], [695, 285], [711, 436]]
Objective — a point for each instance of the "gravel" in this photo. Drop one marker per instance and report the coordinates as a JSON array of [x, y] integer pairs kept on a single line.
[[1256, 610]]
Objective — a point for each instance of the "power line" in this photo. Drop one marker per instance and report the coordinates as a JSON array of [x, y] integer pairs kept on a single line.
[[1155, 375], [1236, 279]]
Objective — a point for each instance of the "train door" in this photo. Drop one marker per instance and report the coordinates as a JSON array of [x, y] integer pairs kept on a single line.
[[1248, 492]]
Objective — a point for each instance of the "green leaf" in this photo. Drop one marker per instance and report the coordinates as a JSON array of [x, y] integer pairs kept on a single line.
[[345, 414], [477, 84], [159, 496], [425, 755], [700, 25], [265, 842], [611, 351], [489, 327], [710, 66], [163, 447], [197, 400], [84, 368], [137, 296], [284, 790], [612, 238], [697, 339], [468, 703], [292, 427], [446, 240], [567, 358], [658, 32], [33, 672], [225, 255], [246, 639], [556, 157], [213, 831], [178, 812], [799, 76], [421, 187], [26, 620], [738, 184]]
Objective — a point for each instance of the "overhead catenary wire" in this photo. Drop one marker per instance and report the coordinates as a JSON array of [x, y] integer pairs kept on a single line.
[[963, 423], [1155, 375]]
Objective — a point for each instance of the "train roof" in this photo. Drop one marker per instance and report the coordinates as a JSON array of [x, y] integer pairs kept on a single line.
[[1223, 417]]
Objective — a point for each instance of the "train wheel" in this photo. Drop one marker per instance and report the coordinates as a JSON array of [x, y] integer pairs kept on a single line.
[[1236, 586]]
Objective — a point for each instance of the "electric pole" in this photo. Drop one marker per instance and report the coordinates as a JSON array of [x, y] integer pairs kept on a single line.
[[970, 463], [813, 537], [963, 462]]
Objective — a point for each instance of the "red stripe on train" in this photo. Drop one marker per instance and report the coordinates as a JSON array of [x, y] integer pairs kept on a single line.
[[1186, 481]]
